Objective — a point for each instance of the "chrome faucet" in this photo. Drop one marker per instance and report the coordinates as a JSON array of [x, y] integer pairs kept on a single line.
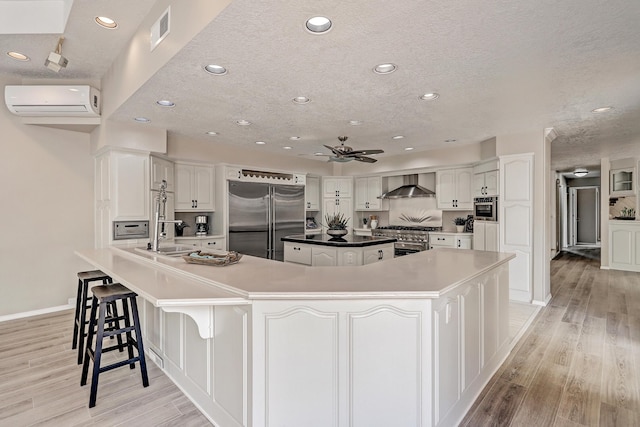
[[159, 218]]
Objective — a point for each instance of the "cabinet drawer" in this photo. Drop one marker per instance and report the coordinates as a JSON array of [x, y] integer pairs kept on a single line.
[[213, 244], [300, 254], [442, 240]]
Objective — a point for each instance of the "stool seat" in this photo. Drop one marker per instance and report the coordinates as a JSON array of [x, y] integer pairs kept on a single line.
[[93, 275], [82, 299], [105, 296], [112, 292]]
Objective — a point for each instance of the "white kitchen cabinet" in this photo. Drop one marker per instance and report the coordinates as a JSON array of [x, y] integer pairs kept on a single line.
[[297, 253], [318, 255], [122, 191], [337, 187], [624, 245], [377, 253], [622, 182], [485, 179], [162, 169], [194, 187], [324, 256], [367, 191], [312, 193], [450, 240], [485, 236], [339, 205], [453, 189], [516, 222]]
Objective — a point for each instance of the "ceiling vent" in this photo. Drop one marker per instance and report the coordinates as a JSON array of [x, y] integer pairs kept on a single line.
[[160, 29], [53, 101]]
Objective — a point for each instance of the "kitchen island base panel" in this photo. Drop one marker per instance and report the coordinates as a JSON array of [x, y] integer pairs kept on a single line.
[[356, 358]]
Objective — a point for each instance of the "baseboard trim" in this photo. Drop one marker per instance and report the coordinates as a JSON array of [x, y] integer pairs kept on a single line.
[[24, 314]]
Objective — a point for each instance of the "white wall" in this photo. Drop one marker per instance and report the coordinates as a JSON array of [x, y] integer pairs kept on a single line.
[[46, 181]]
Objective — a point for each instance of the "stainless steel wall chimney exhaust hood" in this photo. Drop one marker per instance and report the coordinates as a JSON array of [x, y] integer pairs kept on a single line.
[[409, 189]]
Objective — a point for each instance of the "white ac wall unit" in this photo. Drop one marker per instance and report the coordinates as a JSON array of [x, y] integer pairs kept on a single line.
[[53, 101]]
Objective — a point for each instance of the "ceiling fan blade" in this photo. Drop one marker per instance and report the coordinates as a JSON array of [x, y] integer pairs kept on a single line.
[[334, 150], [367, 152], [364, 159]]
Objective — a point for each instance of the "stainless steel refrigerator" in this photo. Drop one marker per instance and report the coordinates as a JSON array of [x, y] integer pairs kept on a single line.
[[261, 214]]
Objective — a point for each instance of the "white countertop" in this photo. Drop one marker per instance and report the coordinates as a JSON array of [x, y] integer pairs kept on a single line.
[[164, 282], [208, 236], [452, 233]]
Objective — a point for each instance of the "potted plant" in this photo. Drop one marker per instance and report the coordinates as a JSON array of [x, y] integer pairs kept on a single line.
[[460, 223], [336, 224]]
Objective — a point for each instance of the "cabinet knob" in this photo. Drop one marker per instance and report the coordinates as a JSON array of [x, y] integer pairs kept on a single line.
[[211, 243]]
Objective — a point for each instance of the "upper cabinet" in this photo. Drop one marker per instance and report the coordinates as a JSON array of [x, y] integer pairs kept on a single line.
[[453, 189], [194, 187], [368, 189], [485, 179], [622, 182], [312, 193], [337, 187], [161, 169]]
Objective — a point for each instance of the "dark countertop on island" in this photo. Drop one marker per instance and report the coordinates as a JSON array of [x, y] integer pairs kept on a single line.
[[347, 241]]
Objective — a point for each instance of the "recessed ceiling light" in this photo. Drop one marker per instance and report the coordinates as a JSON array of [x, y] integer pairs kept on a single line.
[[318, 24], [450, 140], [217, 70], [301, 100], [408, 149], [142, 120], [260, 142], [397, 137], [294, 138], [580, 172], [385, 68], [317, 153], [165, 103], [286, 147], [602, 110], [18, 56], [73, 89], [105, 22], [243, 122], [430, 96], [212, 133], [355, 122]]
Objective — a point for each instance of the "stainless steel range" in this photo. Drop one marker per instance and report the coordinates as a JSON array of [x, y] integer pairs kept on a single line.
[[409, 239]]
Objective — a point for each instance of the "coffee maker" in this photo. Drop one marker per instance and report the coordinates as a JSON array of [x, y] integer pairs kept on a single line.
[[202, 225]]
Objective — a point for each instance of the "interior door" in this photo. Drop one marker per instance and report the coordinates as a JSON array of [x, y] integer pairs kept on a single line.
[[586, 216]]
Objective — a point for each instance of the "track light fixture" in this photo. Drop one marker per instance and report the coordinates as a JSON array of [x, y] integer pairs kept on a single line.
[[55, 61]]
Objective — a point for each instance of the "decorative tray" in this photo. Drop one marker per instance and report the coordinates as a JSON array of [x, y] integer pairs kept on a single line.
[[218, 258]]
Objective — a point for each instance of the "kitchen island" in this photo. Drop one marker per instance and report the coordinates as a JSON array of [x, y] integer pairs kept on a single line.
[[321, 250], [409, 342]]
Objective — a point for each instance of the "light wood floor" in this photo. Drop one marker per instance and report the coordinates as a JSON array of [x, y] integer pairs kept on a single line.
[[40, 383], [579, 362]]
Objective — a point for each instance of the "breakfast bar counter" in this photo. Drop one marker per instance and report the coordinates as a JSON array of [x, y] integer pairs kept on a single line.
[[406, 341]]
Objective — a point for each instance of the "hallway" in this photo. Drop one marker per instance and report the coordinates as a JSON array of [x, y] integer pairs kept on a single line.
[[579, 362]]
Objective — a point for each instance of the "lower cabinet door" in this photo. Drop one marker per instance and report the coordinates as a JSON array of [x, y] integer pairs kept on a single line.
[[299, 254], [323, 257]]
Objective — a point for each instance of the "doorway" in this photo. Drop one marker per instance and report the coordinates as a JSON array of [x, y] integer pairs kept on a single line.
[[585, 216]]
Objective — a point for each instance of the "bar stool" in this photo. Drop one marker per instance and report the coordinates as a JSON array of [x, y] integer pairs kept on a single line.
[[103, 295], [82, 305]]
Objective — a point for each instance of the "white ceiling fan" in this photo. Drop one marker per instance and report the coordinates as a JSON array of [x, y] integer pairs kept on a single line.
[[344, 153]]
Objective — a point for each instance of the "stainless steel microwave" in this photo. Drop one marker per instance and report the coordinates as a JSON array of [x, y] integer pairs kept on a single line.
[[485, 209]]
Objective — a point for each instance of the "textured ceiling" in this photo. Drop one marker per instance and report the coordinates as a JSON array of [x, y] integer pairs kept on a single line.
[[500, 67]]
